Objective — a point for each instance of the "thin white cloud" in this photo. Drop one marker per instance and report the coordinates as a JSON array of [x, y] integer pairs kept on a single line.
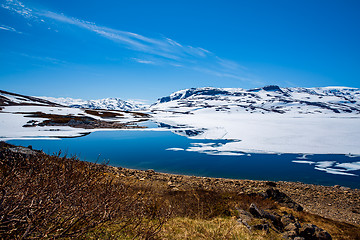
[[11, 29], [144, 61], [43, 59], [161, 51]]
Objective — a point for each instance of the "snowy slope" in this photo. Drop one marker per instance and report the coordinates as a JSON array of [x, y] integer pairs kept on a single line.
[[107, 103], [11, 99], [269, 99]]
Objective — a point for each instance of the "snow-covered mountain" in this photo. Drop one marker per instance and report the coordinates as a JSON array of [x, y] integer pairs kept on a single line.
[[107, 103], [269, 99], [11, 99]]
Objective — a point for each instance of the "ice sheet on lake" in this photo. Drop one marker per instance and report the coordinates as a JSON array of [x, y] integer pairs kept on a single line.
[[175, 149], [270, 133], [333, 167]]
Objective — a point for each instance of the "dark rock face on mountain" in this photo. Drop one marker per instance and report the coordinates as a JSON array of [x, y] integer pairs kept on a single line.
[[269, 99], [13, 99]]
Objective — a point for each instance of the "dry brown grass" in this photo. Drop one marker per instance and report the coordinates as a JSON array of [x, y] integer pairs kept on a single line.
[[216, 228]]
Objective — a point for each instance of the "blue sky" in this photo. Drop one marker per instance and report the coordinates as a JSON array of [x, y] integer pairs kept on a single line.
[[141, 49]]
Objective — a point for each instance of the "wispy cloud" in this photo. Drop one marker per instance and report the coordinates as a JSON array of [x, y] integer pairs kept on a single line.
[[44, 59], [11, 29], [144, 61], [19, 8], [157, 51]]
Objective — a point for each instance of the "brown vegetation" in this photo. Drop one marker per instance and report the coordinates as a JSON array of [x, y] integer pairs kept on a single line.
[[57, 197], [84, 122], [104, 114]]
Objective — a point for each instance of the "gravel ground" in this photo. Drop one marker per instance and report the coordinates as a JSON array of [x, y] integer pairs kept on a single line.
[[333, 202]]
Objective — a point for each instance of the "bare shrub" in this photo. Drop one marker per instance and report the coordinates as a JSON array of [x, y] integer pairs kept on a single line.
[[45, 196]]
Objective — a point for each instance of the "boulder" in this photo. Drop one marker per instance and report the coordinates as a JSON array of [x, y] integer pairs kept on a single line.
[[312, 232], [287, 219], [293, 227], [259, 213], [282, 198], [289, 235], [263, 227]]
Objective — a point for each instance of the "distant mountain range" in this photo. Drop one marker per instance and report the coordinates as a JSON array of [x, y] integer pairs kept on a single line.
[[269, 99], [106, 103]]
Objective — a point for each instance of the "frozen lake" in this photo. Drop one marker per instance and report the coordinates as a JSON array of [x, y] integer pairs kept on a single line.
[[167, 152]]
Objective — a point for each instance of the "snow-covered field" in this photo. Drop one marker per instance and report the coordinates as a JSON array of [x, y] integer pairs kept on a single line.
[[13, 118], [270, 133]]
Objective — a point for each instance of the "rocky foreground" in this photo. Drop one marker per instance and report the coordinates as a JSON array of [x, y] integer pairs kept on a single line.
[[334, 202]]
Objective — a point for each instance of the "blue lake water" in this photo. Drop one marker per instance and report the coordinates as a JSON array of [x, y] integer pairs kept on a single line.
[[147, 150]]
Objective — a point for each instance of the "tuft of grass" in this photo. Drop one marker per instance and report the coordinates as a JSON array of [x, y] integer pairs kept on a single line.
[[216, 228]]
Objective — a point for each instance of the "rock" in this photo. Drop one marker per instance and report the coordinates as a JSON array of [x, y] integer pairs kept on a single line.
[[264, 227], [312, 232], [299, 238], [22, 150], [244, 218], [255, 211], [150, 172], [271, 184], [281, 197], [259, 213], [289, 235], [244, 215], [287, 219], [293, 227]]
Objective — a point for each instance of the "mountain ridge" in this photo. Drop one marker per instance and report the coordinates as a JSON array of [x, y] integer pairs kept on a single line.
[[272, 98], [268, 99], [105, 103]]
